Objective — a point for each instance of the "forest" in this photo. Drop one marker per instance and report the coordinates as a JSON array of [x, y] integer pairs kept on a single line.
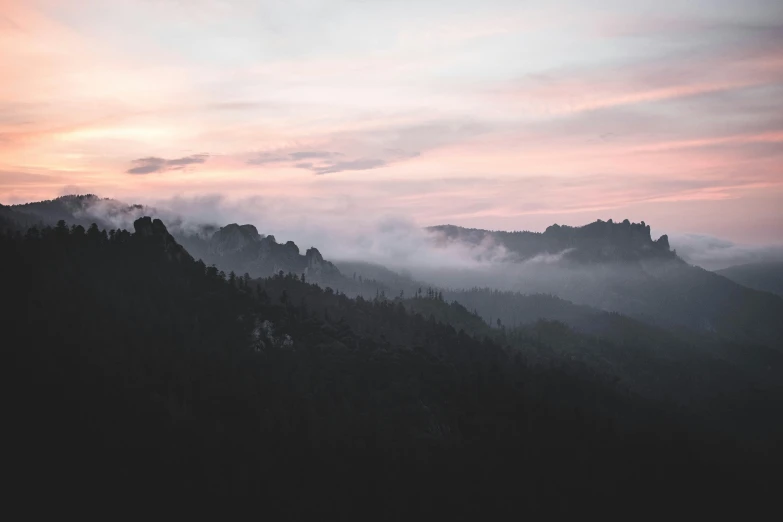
[[135, 367]]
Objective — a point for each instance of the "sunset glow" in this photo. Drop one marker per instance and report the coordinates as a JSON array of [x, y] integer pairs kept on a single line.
[[502, 115]]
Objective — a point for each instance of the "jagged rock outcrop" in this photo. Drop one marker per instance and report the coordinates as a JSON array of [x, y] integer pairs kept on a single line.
[[599, 241], [154, 232], [233, 238], [241, 249], [316, 264]]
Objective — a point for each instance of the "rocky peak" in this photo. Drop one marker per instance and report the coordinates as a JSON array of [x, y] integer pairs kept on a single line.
[[233, 238], [313, 255], [316, 266], [147, 227], [609, 240], [599, 241], [155, 232]]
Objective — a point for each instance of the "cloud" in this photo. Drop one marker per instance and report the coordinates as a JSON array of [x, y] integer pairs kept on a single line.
[[147, 165], [326, 162], [751, 35], [714, 253], [314, 154], [267, 157], [154, 164], [701, 58], [372, 146], [10, 177], [360, 164], [188, 160]]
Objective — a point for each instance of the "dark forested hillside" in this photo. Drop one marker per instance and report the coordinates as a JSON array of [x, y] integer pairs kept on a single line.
[[79, 209], [14, 221], [152, 373]]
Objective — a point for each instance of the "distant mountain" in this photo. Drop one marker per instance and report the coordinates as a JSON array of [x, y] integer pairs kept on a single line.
[[600, 241], [617, 267], [767, 277]]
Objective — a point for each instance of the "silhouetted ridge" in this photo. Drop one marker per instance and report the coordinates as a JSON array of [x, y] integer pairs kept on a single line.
[[241, 249], [233, 237], [598, 241], [79, 209], [154, 231]]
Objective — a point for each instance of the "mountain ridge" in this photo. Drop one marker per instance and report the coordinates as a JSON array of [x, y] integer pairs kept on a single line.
[[765, 277], [615, 267], [598, 241]]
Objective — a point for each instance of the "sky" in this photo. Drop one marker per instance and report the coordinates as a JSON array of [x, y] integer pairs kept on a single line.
[[495, 114]]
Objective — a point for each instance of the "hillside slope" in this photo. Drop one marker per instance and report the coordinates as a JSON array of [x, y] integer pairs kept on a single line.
[[765, 277], [153, 374]]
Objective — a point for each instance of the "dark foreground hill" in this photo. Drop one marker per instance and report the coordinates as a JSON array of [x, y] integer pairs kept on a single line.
[[137, 371]]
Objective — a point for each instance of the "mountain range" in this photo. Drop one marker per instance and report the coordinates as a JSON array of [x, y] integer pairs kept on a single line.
[[605, 265], [618, 267]]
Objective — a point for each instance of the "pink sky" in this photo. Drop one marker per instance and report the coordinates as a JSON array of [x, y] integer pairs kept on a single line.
[[479, 114]]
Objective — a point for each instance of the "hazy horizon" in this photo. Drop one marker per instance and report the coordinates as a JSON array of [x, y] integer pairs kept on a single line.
[[396, 242]]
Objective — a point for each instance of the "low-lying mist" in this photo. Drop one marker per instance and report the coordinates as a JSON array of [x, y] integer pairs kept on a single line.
[[402, 245], [624, 272], [395, 242]]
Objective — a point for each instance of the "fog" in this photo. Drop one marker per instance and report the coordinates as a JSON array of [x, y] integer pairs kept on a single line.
[[400, 244], [652, 289], [394, 241], [714, 253]]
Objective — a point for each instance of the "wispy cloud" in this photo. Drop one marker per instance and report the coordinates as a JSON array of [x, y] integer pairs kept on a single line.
[[359, 164], [328, 162], [153, 164], [312, 154], [714, 253]]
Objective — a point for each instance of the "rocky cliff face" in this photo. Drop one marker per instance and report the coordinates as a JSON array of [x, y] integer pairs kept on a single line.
[[608, 241], [596, 242], [240, 248], [154, 232], [233, 238], [316, 266]]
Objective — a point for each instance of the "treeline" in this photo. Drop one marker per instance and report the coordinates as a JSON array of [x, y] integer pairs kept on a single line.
[[152, 373]]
